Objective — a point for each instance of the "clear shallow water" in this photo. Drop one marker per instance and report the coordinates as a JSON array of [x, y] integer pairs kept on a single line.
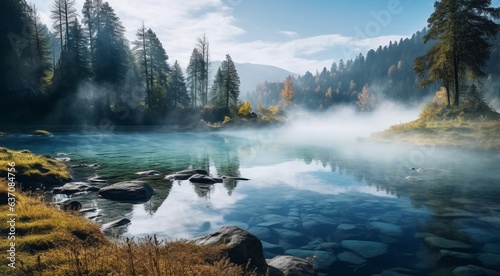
[[305, 200]]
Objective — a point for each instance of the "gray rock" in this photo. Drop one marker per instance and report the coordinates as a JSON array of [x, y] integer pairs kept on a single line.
[[191, 172], [491, 248], [185, 174], [290, 236], [241, 247], [74, 187], [148, 173], [128, 190], [365, 249], [477, 235], [201, 178], [262, 233], [96, 179], [292, 266], [272, 248], [387, 229], [346, 228], [472, 270], [454, 258], [115, 223], [351, 258], [490, 260], [442, 243], [324, 258], [225, 177]]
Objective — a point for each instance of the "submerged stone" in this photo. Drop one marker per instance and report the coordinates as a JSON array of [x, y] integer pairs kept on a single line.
[[490, 260], [470, 270], [442, 243], [322, 258], [290, 236], [351, 258], [387, 229], [365, 249], [290, 265], [454, 258], [262, 233]]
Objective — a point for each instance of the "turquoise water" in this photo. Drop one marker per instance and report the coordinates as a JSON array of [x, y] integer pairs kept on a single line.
[[359, 208]]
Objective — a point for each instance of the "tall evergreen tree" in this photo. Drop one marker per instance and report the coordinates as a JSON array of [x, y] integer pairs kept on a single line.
[[203, 48], [111, 59], [194, 75], [91, 21], [179, 93], [230, 83], [141, 48], [63, 11], [217, 91], [463, 29]]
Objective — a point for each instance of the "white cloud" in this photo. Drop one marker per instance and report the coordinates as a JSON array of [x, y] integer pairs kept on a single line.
[[288, 33]]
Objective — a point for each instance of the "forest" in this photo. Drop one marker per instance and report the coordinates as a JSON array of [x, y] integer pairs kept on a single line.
[[83, 70]]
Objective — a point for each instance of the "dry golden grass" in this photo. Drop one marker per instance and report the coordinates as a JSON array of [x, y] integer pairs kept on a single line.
[[463, 127], [53, 242], [33, 170]]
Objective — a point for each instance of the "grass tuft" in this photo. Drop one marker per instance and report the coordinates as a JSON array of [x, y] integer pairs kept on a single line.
[[33, 171]]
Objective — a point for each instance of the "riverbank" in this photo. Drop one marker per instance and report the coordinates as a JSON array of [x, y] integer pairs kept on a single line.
[[44, 239], [464, 127]]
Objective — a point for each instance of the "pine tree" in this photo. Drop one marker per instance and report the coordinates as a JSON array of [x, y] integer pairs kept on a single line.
[[194, 75], [230, 82], [179, 94], [203, 48], [141, 49], [112, 57], [463, 29]]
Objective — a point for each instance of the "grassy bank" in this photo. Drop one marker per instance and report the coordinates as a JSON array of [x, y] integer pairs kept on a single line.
[[467, 126], [33, 171], [47, 241]]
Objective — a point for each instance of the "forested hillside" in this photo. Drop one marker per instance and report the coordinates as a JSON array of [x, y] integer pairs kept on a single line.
[[382, 74], [83, 70]]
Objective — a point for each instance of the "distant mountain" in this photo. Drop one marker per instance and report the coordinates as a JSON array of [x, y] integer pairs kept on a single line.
[[251, 74]]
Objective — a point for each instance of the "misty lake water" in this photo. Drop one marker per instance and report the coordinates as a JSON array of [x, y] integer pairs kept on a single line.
[[359, 208]]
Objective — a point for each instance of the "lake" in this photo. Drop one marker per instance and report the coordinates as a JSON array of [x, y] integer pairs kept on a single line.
[[358, 208]]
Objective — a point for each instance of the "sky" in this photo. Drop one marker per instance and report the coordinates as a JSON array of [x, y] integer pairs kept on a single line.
[[297, 35]]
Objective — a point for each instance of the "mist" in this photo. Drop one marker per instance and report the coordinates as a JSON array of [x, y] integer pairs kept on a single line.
[[343, 124]]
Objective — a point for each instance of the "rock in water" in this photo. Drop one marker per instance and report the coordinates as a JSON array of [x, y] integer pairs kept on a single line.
[[128, 190], [442, 243], [185, 174], [365, 249], [74, 187], [148, 173], [115, 223], [240, 246], [290, 265], [71, 205], [201, 178]]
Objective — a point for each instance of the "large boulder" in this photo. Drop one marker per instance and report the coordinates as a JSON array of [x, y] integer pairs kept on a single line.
[[291, 266], [241, 247], [128, 190]]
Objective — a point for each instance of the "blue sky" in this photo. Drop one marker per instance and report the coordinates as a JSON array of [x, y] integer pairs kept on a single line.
[[295, 35]]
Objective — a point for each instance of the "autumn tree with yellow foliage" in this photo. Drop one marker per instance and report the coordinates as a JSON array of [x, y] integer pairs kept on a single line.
[[288, 93]]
